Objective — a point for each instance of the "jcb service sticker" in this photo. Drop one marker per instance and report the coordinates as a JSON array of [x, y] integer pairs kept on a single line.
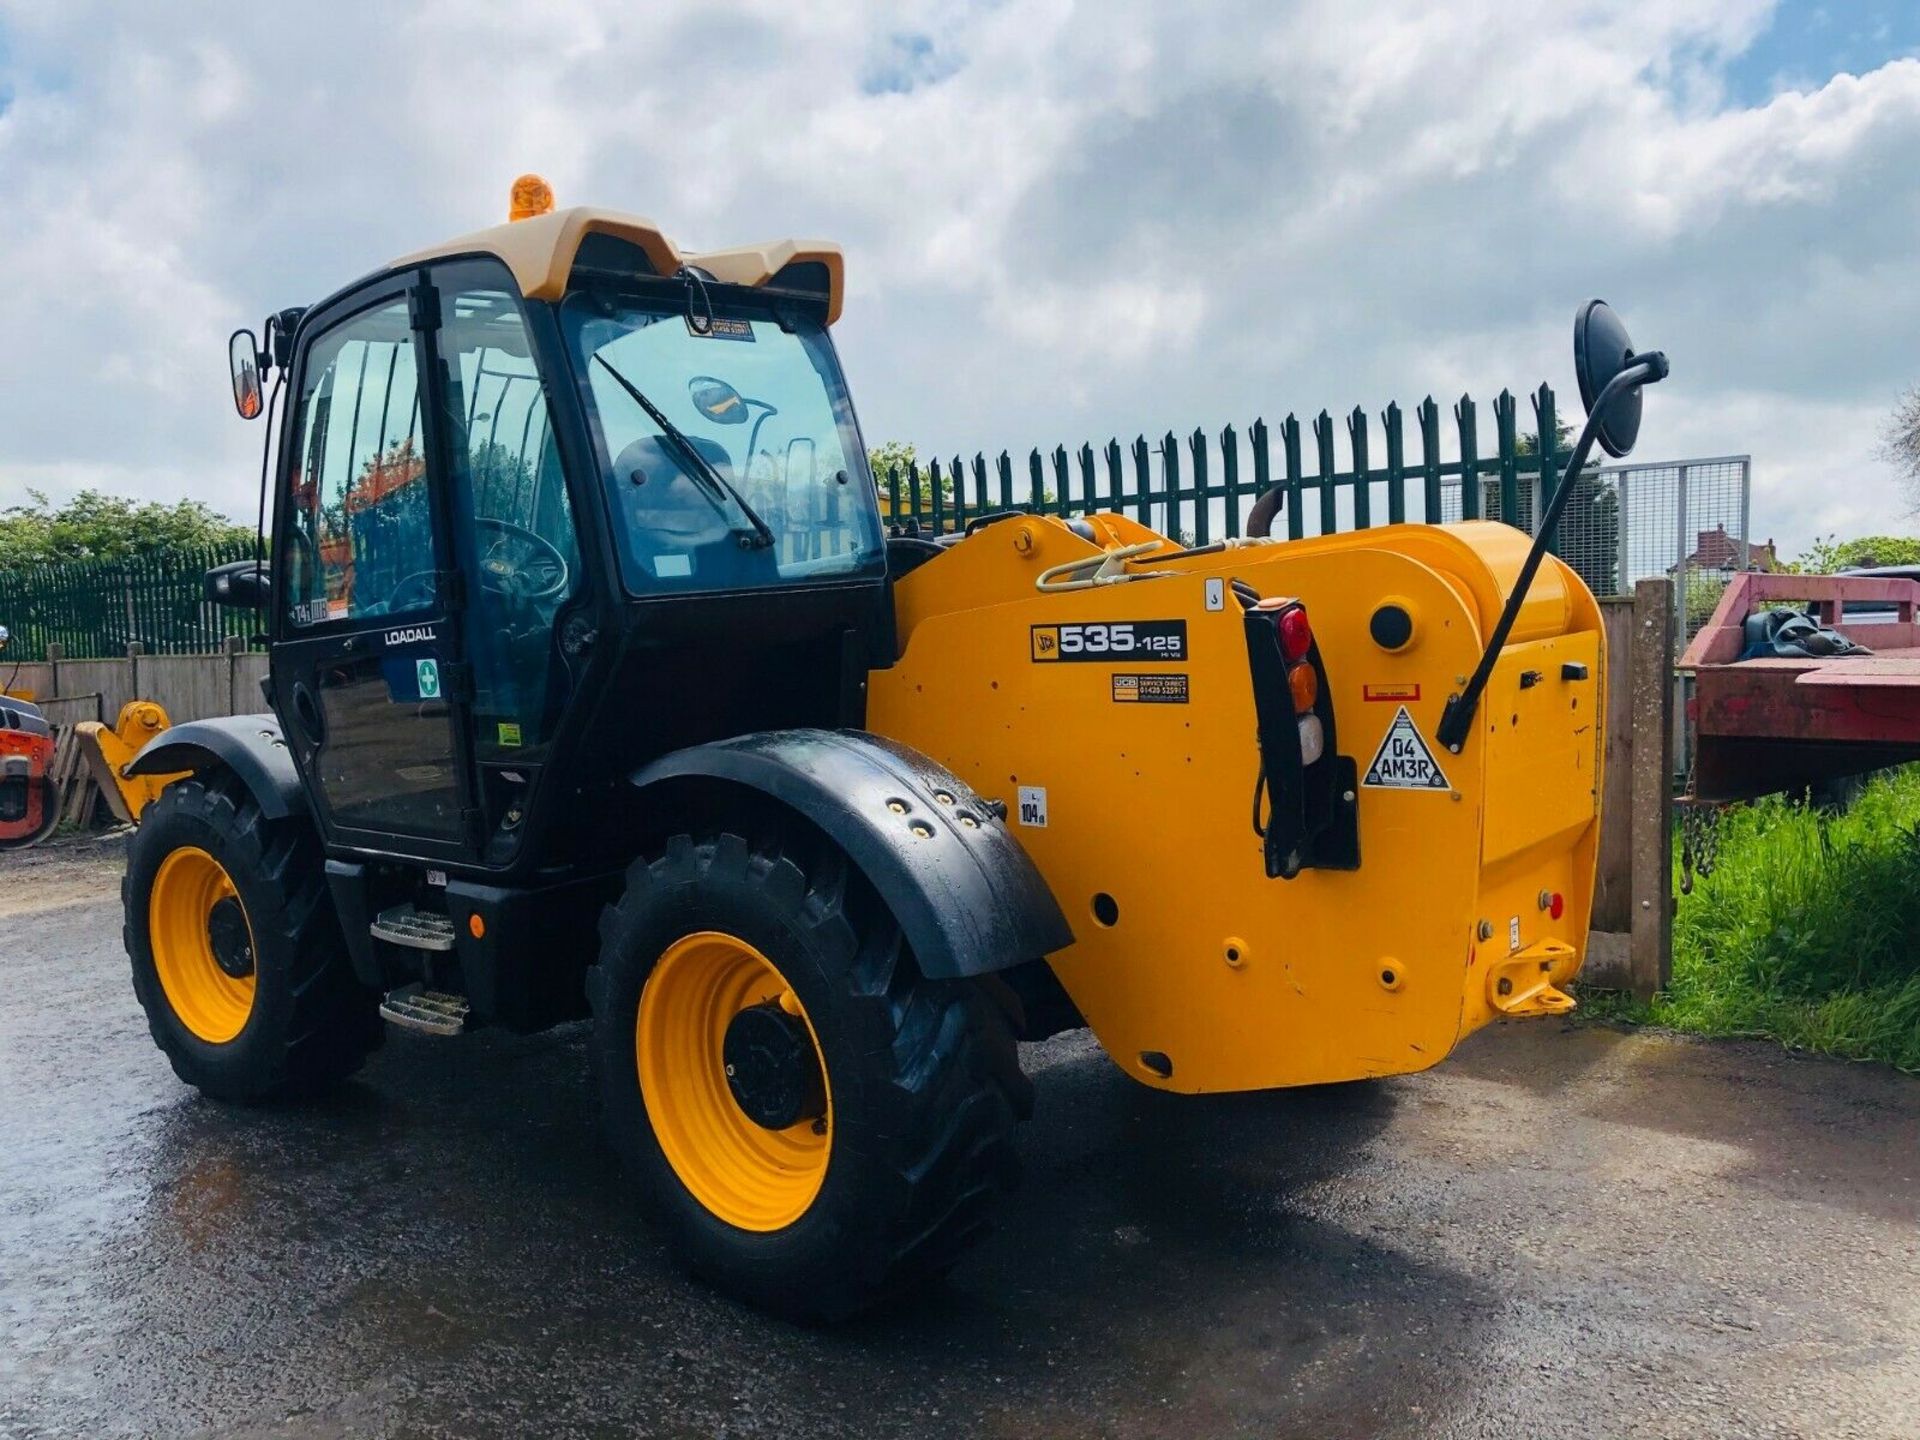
[[1111, 640]]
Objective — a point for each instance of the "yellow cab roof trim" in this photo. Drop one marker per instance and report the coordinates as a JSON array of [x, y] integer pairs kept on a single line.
[[540, 252]]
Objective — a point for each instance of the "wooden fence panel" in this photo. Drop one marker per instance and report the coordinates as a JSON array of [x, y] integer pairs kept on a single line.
[[27, 679], [187, 687], [112, 680], [244, 697]]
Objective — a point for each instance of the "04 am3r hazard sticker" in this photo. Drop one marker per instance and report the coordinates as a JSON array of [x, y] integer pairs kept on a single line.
[[1404, 761]]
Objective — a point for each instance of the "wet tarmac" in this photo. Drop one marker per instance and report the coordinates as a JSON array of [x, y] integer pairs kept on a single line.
[[1562, 1231]]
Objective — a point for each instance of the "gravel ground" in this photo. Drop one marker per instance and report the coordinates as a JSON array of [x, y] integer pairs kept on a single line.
[[1564, 1230]]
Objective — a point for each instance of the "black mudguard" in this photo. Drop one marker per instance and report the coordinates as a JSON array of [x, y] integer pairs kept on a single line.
[[968, 898], [249, 745]]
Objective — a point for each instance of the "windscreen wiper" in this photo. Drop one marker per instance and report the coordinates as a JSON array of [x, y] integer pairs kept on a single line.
[[755, 532]]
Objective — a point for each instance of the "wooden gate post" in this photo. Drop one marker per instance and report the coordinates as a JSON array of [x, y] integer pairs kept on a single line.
[[1650, 948]]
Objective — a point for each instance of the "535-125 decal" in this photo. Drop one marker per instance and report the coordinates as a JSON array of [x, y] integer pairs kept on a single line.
[[1111, 640]]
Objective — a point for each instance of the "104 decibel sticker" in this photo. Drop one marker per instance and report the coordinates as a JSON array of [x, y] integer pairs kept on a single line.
[[1033, 806]]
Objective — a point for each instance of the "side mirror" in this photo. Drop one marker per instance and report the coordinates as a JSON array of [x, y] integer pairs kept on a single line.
[[802, 459], [1611, 374], [717, 400], [239, 584], [1601, 350], [243, 358]]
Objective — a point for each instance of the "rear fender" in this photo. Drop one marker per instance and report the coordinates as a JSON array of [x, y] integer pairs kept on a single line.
[[968, 898]]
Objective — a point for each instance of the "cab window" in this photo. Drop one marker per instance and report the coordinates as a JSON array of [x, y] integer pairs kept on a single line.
[[511, 509], [359, 528]]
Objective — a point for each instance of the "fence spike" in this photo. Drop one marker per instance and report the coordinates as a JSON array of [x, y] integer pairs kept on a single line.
[[1296, 482], [1142, 481], [1197, 445], [1466, 417], [1429, 414], [1396, 464], [1362, 476], [1230, 478]]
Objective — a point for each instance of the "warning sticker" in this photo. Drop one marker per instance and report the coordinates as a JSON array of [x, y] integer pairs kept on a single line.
[[720, 327], [1150, 689], [1403, 761], [1390, 692]]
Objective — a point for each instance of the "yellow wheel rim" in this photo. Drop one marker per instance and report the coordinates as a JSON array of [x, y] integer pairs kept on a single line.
[[210, 1002], [749, 1176]]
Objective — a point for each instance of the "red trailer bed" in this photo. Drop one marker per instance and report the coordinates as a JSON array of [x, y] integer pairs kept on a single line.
[[1772, 724]]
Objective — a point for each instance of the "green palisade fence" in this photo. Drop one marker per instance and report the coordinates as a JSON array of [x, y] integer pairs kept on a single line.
[[94, 609], [1198, 487]]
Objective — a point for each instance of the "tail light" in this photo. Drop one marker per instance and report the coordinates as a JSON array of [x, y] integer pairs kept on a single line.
[[1313, 739], [1296, 634], [1304, 685], [1304, 807]]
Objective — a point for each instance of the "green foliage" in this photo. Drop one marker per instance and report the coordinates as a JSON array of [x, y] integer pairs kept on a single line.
[[1703, 596], [891, 455], [93, 526], [1829, 554], [1589, 537], [1804, 932]]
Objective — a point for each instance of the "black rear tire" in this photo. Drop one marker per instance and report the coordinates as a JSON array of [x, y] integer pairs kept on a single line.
[[310, 1023], [924, 1077]]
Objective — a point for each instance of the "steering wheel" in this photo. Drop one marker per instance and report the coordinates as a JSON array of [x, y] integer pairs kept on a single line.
[[518, 563], [514, 562]]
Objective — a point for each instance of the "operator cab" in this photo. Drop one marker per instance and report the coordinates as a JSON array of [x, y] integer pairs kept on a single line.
[[552, 500]]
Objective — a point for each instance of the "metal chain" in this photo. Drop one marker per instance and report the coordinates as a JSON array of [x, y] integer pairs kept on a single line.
[[1699, 840]]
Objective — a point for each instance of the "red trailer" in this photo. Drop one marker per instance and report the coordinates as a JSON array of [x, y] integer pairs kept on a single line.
[[1765, 725]]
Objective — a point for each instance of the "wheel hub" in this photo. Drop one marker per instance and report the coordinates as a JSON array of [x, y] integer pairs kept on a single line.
[[229, 938], [773, 1070]]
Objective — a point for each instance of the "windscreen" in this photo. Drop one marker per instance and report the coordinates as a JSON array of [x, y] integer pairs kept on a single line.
[[730, 451]]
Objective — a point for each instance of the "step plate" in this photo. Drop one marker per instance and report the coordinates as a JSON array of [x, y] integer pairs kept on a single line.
[[416, 929], [431, 1012]]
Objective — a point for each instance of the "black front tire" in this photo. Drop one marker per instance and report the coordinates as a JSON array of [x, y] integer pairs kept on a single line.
[[311, 1023], [924, 1075]]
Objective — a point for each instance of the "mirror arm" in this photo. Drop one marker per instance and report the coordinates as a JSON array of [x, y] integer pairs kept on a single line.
[[1456, 721]]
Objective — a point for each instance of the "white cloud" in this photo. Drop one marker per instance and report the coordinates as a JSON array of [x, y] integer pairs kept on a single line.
[[1063, 221]]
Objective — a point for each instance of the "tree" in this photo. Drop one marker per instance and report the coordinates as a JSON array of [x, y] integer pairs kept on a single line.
[[1589, 535], [93, 525], [1900, 442], [1829, 554]]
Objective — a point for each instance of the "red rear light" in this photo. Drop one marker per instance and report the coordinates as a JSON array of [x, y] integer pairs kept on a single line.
[[1558, 906], [1296, 635]]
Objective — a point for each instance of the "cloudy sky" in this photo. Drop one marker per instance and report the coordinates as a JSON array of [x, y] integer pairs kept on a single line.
[[1063, 221]]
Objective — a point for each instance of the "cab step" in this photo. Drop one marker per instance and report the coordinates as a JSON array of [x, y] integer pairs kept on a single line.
[[430, 1012], [416, 929]]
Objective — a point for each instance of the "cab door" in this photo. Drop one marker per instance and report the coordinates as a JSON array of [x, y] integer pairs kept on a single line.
[[368, 672]]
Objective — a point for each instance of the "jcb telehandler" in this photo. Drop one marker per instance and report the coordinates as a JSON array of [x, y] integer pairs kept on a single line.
[[598, 687]]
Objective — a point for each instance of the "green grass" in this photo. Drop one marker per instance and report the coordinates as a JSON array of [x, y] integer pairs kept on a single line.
[[1807, 931]]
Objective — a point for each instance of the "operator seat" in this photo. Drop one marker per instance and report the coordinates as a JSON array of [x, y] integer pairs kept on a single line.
[[669, 520]]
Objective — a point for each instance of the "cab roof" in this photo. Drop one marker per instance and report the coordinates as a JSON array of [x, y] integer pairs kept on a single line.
[[540, 252]]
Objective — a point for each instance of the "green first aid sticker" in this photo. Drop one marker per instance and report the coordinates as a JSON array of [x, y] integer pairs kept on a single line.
[[509, 732], [428, 674]]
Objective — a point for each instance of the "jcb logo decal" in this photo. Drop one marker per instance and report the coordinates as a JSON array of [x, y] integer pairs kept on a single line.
[[1112, 640]]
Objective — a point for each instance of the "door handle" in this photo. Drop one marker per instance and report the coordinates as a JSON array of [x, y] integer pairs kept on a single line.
[[308, 716]]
